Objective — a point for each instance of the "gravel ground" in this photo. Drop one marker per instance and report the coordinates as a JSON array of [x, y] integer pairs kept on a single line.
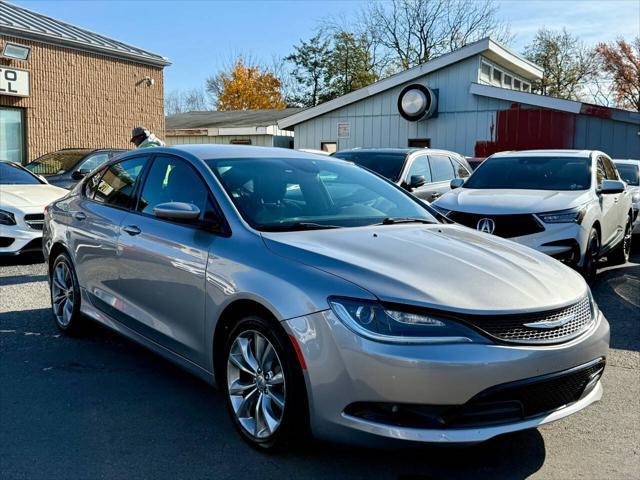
[[99, 406]]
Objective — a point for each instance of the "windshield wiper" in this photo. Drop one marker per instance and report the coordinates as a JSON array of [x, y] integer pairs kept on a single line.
[[396, 220], [291, 227]]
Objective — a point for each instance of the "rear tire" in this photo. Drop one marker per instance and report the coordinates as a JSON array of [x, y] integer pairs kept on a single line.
[[65, 295], [620, 254], [590, 263], [263, 385]]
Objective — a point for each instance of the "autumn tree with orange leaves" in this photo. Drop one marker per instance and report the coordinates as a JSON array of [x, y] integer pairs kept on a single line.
[[246, 87], [621, 60]]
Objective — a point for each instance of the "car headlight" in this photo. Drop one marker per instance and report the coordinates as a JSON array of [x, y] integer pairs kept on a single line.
[[572, 215], [440, 210], [7, 218], [376, 322]]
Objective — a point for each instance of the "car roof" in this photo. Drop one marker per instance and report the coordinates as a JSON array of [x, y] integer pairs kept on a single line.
[[626, 161], [403, 151], [545, 153]]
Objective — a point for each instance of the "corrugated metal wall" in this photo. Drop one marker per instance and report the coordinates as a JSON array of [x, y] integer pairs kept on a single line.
[[463, 122]]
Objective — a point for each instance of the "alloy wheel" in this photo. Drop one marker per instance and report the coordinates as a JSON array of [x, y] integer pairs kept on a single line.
[[626, 245], [256, 384], [62, 294]]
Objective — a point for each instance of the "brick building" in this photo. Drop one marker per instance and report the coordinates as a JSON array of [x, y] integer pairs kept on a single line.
[[62, 86]]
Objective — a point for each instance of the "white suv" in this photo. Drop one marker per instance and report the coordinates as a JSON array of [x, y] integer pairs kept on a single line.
[[569, 204]]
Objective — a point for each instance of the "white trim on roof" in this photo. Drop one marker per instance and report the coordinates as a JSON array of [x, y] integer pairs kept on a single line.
[[525, 97], [499, 53]]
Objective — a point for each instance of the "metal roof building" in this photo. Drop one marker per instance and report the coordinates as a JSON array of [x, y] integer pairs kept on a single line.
[[243, 127], [64, 86], [474, 101]]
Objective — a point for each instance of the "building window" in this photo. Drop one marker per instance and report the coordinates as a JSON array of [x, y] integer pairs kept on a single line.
[[12, 134], [497, 76], [517, 84], [485, 71], [330, 147], [526, 87], [419, 143], [240, 141], [508, 81]]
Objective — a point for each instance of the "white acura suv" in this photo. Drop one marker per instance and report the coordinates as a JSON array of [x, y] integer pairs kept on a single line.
[[570, 204]]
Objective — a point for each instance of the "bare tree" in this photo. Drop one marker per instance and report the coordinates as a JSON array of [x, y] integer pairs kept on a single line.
[[189, 100], [415, 31]]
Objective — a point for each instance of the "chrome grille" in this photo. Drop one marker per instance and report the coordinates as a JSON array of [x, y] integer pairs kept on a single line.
[[518, 329], [35, 220]]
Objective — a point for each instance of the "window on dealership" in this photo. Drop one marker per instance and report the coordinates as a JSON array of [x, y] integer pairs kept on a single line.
[[12, 134]]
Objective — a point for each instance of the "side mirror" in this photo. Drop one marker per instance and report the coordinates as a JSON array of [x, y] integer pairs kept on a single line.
[[611, 186], [176, 211], [417, 181], [79, 174], [456, 183]]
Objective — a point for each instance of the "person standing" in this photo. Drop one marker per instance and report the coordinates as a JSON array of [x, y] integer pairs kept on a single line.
[[143, 138]]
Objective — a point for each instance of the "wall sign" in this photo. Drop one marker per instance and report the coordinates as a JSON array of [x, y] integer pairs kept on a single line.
[[416, 102], [344, 130], [14, 81]]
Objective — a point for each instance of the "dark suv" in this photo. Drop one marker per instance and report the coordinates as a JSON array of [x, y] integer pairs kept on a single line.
[[425, 172], [64, 168]]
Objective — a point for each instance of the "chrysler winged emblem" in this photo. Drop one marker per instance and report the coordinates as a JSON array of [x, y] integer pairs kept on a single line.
[[486, 225], [551, 323]]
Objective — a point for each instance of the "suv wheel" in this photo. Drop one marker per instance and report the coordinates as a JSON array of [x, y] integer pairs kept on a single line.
[[590, 263], [264, 391], [65, 294], [620, 254]]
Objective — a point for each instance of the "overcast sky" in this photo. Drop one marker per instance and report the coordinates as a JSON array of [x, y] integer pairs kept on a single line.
[[200, 36]]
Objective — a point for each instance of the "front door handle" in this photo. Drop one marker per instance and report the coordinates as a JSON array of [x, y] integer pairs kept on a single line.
[[132, 230], [79, 215]]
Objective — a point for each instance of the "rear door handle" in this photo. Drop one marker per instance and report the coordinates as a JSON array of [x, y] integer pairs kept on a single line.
[[132, 230], [79, 215]]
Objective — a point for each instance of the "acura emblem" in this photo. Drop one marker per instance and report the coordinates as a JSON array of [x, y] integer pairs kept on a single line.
[[486, 225], [551, 323]]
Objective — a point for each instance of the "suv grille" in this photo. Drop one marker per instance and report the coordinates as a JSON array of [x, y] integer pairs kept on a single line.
[[35, 220], [507, 226], [513, 328]]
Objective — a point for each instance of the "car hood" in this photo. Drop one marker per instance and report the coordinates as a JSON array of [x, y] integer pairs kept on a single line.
[[29, 195], [492, 201], [448, 267]]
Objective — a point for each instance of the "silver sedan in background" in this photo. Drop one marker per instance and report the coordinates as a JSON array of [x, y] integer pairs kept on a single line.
[[322, 298]]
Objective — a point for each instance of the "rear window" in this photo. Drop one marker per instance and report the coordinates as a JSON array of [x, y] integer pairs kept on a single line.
[[532, 173], [387, 164], [57, 163]]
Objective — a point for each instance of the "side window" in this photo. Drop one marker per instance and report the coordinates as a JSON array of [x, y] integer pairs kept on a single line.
[[441, 168], [171, 179], [461, 170], [93, 162], [420, 166], [610, 169], [117, 185], [91, 184], [600, 171]]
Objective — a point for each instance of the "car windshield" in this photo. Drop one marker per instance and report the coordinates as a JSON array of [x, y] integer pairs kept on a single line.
[[12, 174], [532, 173], [629, 173], [387, 164], [56, 163], [280, 194]]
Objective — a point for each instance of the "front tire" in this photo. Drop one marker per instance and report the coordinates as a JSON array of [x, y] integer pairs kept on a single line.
[[620, 255], [263, 385], [590, 263], [65, 294]]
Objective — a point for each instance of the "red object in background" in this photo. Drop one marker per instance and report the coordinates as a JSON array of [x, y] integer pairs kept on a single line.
[[529, 128]]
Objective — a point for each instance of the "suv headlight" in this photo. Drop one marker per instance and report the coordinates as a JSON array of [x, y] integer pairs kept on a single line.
[[572, 215], [7, 218], [376, 322]]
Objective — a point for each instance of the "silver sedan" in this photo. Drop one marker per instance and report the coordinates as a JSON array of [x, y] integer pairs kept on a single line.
[[323, 299]]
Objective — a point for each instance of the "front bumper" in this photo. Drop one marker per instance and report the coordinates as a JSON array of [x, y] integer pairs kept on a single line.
[[17, 239], [343, 368], [564, 241]]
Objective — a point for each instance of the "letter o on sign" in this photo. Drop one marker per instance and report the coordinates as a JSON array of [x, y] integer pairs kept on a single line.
[[416, 102]]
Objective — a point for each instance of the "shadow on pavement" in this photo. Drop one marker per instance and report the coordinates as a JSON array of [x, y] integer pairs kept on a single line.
[[22, 259]]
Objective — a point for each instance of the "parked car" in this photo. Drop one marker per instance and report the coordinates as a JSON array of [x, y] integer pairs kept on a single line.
[[23, 197], [570, 204], [474, 162], [312, 292], [426, 173], [629, 171], [64, 168], [313, 150]]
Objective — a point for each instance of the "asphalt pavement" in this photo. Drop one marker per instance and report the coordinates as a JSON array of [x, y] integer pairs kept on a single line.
[[99, 406]]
